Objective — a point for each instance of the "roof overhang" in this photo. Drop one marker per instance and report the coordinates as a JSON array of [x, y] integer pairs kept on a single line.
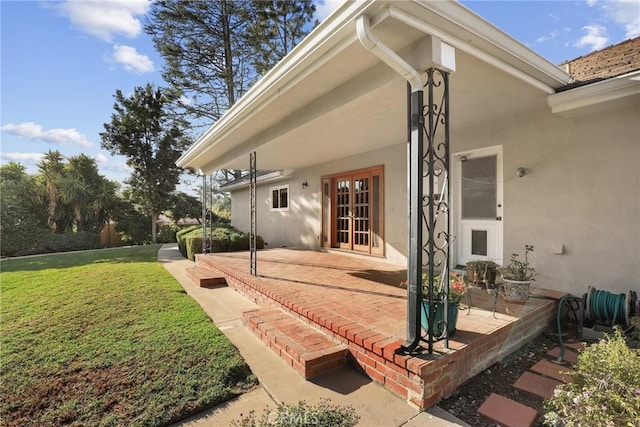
[[329, 90], [622, 90], [245, 182]]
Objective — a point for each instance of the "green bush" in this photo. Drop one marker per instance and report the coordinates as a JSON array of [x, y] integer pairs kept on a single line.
[[301, 415], [65, 242], [605, 390], [194, 246], [182, 234], [222, 238], [167, 233]]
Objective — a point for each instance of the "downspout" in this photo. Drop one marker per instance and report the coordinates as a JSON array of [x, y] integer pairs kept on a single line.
[[416, 120]]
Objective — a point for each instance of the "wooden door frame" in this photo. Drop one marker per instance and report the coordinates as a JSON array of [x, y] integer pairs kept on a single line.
[[329, 220]]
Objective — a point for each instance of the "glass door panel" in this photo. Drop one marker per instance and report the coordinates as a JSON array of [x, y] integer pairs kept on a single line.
[[343, 213], [479, 188], [361, 213]]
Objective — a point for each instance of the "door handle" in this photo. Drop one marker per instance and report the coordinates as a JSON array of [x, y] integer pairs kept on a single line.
[[498, 218]]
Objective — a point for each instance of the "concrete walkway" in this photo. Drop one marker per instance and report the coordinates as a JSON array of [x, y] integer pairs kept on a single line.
[[279, 382]]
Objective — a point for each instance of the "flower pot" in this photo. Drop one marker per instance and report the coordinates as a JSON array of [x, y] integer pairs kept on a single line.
[[438, 319], [516, 291], [477, 276]]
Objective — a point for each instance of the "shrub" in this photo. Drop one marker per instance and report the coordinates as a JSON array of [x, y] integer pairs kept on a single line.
[[301, 415], [605, 390], [65, 242], [194, 246], [181, 237], [221, 239], [167, 233]]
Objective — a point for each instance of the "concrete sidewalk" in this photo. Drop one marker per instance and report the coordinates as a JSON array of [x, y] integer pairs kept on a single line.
[[279, 382]]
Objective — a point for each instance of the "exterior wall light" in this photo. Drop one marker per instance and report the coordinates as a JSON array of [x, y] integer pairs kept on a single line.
[[305, 184], [521, 171]]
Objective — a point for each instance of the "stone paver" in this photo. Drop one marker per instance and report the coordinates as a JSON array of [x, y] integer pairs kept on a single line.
[[536, 384], [569, 355], [552, 370], [507, 412]]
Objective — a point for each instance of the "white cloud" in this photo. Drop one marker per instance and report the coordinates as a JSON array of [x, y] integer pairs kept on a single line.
[[32, 130], [106, 18], [131, 60], [109, 163], [592, 2], [324, 8], [596, 37], [625, 13], [552, 35], [32, 158]]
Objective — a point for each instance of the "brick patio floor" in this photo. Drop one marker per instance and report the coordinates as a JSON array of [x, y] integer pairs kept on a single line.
[[359, 302]]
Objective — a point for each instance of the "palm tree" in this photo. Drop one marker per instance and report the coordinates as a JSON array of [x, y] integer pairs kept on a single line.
[[75, 193], [51, 168], [104, 202]]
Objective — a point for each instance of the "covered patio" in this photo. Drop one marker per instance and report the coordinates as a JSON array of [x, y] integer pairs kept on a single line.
[[358, 303]]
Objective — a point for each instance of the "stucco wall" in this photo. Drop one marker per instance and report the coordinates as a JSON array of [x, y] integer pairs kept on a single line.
[[582, 192], [300, 226]]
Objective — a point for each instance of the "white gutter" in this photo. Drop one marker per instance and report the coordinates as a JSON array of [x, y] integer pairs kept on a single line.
[[468, 48], [388, 56]]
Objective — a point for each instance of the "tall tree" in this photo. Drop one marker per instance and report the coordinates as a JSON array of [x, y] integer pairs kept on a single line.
[[213, 50], [51, 168], [206, 59], [274, 28], [152, 140]]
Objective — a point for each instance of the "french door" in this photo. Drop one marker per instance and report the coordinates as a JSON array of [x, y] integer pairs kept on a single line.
[[352, 211]]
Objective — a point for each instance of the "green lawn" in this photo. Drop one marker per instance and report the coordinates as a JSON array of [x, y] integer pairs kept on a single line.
[[107, 338]]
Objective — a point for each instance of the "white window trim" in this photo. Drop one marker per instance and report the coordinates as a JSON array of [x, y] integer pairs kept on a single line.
[[279, 187]]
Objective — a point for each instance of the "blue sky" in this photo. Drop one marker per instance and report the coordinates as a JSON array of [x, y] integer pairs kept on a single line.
[[62, 61]]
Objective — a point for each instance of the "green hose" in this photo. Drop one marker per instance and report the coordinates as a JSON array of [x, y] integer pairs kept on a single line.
[[607, 306]]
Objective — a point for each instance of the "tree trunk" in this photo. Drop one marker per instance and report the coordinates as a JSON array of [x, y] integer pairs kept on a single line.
[[154, 228]]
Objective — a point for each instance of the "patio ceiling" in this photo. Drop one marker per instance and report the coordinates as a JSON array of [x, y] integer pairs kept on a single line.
[[331, 98]]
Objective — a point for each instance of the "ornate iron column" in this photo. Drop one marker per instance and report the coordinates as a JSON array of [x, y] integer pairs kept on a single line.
[[253, 230], [436, 200], [203, 199], [428, 165]]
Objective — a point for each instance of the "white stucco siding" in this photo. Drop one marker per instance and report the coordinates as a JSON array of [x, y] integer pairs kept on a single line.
[[300, 226], [582, 193]]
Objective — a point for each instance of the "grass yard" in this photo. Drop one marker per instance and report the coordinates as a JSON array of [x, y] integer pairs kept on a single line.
[[107, 338]]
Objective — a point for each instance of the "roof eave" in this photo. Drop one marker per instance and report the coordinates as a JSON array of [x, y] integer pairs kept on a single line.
[[333, 35], [612, 89]]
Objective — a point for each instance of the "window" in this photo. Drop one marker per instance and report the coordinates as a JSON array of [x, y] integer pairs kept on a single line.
[[280, 198]]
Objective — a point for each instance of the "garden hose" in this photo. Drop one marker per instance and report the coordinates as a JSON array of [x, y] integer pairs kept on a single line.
[[602, 306]]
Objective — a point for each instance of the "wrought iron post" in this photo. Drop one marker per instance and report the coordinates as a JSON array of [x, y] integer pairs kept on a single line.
[[436, 218], [428, 208], [204, 214], [253, 230]]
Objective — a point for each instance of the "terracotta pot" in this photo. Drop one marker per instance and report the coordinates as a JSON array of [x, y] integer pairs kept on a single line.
[[516, 291]]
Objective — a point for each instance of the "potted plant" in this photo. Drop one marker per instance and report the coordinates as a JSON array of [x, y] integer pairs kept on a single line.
[[482, 272], [457, 289], [517, 277]]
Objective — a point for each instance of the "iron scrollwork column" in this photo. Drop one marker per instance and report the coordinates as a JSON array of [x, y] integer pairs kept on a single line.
[[253, 230], [435, 202]]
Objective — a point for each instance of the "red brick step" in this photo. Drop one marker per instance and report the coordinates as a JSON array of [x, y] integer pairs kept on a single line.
[[204, 277], [536, 384], [308, 350], [569, 355], [507, 412], [551, 370]]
